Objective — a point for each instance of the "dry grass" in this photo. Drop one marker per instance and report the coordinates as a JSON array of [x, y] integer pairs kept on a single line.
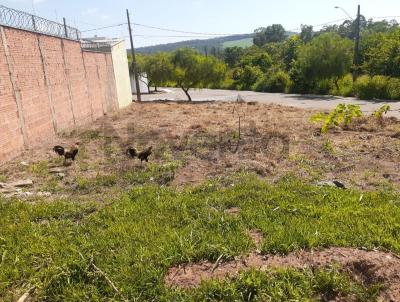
[[200, 137]]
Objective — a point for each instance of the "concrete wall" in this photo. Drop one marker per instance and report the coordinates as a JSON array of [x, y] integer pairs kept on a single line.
[[47, 85], [121, 72], [142, 84]]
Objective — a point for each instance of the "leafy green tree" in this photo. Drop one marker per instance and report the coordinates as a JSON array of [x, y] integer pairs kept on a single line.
[[233, 55], [256, 57], [247, 76], [327, 57], [290, 49], [272, 33], [158, 69], [307, 33], [190, 69], [380, 53]]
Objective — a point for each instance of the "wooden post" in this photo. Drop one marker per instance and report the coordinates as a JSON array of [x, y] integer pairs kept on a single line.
[[134, 65]]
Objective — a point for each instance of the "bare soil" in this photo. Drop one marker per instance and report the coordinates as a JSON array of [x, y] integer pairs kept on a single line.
[[202, 136], [368, 267]]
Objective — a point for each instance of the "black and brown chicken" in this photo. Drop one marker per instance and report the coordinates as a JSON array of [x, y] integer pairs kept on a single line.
[[70, 153], [144, 155], [131, 152]]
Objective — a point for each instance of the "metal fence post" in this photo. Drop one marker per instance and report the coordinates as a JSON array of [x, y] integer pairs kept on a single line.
[[65, 28], [33, 23]]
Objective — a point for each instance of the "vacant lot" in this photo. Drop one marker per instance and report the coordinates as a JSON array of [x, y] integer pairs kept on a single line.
[[211, 217]]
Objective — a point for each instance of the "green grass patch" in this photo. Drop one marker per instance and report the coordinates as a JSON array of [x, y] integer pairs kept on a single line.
[[239, 43], [282, 285], [137, 236]]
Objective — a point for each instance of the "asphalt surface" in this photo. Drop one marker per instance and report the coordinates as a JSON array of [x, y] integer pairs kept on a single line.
[[301, 101]]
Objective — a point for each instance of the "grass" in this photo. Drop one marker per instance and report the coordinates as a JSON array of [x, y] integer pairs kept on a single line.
[[135, 236], [239, 43], [283, 285]]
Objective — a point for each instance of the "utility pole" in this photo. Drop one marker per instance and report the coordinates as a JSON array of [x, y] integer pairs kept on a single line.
[[134, 65], [357, 45]]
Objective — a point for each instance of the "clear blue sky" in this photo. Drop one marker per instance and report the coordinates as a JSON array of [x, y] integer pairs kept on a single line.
[[210, 16]]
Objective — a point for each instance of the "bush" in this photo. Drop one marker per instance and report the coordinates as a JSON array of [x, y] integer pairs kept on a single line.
[[368, 88], [394, 88], [323, 86], [278, 81], [345, 86], [246, 77]]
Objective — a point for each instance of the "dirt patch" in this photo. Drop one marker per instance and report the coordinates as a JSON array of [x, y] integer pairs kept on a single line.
[[257, 237], [367, 266], [274, 141], [234, 211]]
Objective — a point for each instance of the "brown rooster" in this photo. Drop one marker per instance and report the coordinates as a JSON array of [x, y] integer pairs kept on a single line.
[[70, 153], [144, 155]]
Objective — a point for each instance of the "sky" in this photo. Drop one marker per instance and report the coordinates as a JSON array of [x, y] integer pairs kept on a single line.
[[200, 16]]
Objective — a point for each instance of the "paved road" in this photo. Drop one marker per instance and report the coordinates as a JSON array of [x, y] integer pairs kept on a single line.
[[301, 101]]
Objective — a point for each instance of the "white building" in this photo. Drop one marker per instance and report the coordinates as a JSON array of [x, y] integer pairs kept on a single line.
[[117, 48], [142, 83]]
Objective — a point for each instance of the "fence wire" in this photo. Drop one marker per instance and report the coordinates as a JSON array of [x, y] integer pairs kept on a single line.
[[22, 20]]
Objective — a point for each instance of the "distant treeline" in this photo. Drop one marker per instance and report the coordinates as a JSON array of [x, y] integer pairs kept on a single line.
[[203, 46], [318, 62]]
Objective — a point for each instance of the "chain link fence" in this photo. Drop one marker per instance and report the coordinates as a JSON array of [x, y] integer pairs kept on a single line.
[[22, 20]]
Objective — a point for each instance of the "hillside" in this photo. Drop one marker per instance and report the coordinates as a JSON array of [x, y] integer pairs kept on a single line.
[[220, 42]]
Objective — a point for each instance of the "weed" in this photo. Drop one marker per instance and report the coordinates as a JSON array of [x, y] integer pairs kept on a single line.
[[91, 135], [40, 168], [328, 147], [342, 115], [381, 111]]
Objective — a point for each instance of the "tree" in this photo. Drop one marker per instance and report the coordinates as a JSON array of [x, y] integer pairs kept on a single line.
[[256, 57], [247, 76], [380, 53], [307, 33], [190, 69], [273, 33], [158, 69], [290, 49], [232, 55], [327, 57]]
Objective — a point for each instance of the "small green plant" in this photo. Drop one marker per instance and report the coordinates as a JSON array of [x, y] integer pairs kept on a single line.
[[328, 147], [40, 168], [342, 115], [381, 111]]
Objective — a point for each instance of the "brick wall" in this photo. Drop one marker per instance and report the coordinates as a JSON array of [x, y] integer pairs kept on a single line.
[[48, 85]]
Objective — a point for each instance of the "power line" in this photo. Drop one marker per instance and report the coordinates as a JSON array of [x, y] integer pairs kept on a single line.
[[203, 34], [180, 31], [104, 27], [322, 24]]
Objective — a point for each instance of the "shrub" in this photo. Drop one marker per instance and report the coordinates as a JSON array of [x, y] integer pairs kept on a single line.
[[381, 111], [323, 86], [342, 116], [368, 88], [345, 86], [246, 77], [278, 81], [393, 89]]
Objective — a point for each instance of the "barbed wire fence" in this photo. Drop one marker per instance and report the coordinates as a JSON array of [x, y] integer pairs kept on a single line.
[[22, 20]]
